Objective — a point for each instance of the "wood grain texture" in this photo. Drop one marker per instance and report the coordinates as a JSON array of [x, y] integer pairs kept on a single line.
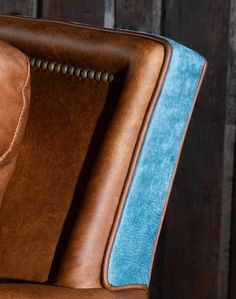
[[141, 15], [194, 253], [81, 11], [19, 7]]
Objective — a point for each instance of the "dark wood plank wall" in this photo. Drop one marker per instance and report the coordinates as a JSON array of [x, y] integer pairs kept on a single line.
[[194, 258], [230, 134], [19, 7], [83, 11], [231, 112], [196, 241], [142, 15]]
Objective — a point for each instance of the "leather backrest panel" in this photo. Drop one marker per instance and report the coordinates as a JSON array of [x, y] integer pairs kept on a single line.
[[59, 130], [76, 152]]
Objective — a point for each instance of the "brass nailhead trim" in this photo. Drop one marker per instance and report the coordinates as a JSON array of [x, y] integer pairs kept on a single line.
[[71, 70]]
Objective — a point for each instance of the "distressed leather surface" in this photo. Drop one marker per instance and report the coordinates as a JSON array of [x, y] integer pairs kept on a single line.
[[14, 105], [27, 291], [76, 154], [77, 149]]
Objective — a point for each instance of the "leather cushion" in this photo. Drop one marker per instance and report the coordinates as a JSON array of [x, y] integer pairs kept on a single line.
[[14, 104]]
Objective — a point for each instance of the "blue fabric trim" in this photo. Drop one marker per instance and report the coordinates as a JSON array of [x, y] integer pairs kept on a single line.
[[131, 255]]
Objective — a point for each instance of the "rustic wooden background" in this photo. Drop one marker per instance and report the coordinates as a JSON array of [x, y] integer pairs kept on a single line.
[[196, 256]]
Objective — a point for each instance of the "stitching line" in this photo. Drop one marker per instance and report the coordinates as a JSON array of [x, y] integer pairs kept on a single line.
[[4, 156]]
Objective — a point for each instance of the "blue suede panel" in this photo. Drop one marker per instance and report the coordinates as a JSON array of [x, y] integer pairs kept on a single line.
[[131, 255]]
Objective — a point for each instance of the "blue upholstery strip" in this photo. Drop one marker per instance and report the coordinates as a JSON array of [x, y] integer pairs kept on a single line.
[[131, 255]]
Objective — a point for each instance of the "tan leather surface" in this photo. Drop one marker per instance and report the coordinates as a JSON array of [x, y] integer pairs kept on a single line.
[[60, 127], [80, 137], [24, 291], [14, 104], [85, 252]]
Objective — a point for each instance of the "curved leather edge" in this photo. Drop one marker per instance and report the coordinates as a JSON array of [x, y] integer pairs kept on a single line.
[[130, 175], [9, 156]]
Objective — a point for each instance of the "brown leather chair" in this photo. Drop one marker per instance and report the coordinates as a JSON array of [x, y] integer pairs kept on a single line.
[[85, 187]]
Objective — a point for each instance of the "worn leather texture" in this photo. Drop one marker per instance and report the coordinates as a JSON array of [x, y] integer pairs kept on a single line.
[[82, 143], [76, 152], [14, 104], [33, 291], [132, 252]]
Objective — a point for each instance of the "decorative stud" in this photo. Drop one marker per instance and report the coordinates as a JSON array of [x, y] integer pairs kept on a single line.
[[66, 69], [110, 78], [51, 66], [32, 62], [91, 74], [105, 77], [44, 65], [57, 68], [84, 73], [38, 63], [77, 71], [98, 75], [71, 70]]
